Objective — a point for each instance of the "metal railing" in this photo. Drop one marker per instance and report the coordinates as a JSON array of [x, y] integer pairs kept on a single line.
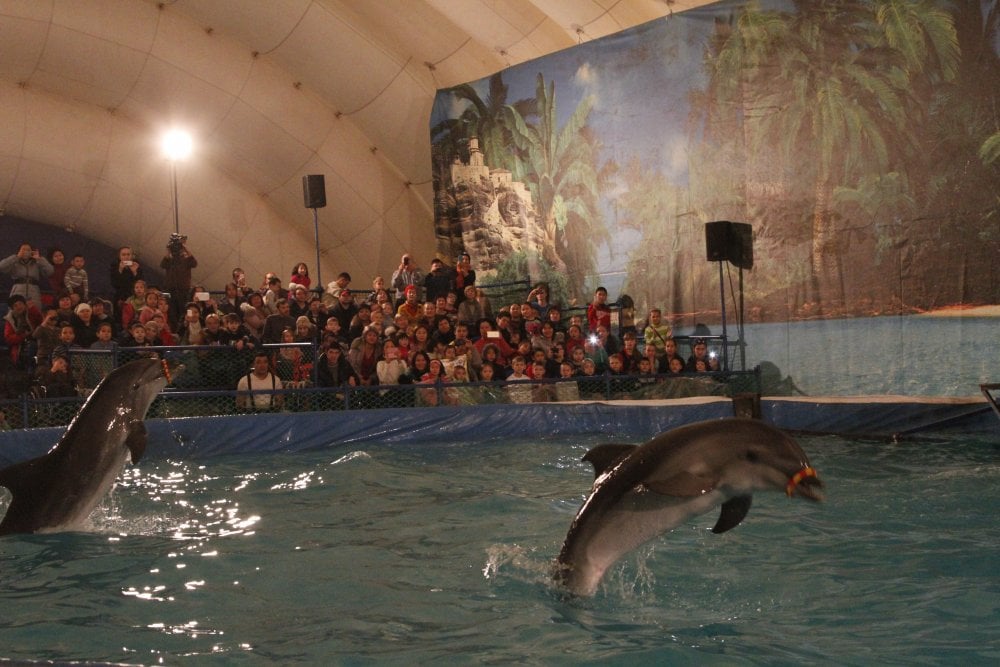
[[31, 411]]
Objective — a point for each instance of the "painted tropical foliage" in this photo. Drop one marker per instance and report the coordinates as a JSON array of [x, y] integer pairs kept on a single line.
[[859, 138]]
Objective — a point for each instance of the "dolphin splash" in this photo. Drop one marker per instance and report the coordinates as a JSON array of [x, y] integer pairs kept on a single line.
[[641, 491], [58, 490]]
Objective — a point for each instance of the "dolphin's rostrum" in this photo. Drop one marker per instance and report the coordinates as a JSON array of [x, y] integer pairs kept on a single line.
[[58, 490], [642, 491]]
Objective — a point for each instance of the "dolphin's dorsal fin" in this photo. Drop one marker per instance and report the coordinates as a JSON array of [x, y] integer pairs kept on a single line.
[[136, 441], [605, 457], [681, 485], [733, 512]]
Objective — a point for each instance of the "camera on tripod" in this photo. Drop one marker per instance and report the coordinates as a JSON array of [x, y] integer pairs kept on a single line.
[[176, 242]]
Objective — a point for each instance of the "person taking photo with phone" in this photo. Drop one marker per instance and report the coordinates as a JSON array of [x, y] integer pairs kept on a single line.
[[27, 268]]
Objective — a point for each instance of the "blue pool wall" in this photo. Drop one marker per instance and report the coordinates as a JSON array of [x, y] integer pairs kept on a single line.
[[621, 421]]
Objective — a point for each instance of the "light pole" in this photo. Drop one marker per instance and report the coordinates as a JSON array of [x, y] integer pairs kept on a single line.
[[177, 145]]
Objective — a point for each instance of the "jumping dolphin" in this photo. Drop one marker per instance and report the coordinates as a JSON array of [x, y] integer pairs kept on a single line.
[[642, 491], [58, 490]]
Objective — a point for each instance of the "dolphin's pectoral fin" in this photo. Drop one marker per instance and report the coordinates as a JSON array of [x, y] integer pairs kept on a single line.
[[733, 512], [682, 485], [136, 441], [605, 457]]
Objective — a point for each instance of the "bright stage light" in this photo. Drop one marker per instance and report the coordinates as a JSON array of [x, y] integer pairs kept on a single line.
[[177, 145]]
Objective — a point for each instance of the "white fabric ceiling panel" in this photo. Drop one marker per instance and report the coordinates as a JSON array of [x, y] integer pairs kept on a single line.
[[36, 10], [497, 23], [337, 60], [346, 214], [363, 172], [397, 121], [247, 136], [172, 96], [22, 41], [426, 33], [402, 235], [13, 116], [217, 60], [271, 91], [116, 214], [87, 68], [548, 37], [66, 135], [261, 25], [130, 24], [572, 14], [450, 71], [70, 193], [8, 174], [135, 162]]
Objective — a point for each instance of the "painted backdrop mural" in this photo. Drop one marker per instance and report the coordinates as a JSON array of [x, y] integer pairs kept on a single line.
[[859, 139]]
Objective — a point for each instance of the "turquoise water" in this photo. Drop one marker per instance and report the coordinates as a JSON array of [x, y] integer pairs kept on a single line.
[[441, 553]]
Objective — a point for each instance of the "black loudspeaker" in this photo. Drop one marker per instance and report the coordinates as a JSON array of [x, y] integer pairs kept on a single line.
[[314, 191], [729, 242]]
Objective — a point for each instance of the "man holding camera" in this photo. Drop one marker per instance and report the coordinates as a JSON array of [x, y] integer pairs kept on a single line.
[[177, 264], [407, 274], [27, 268]]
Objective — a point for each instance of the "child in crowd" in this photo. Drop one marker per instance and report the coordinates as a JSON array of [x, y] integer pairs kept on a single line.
[[646, 375], [657, 332], [530, 323], [76, 280], [67, 341], [134, 336], [235, 335], [598, 312], [64, 306], [46, 336], [541, 392], [300, 275], [104, 335], [54, 379], [566, 389], [518, 391]]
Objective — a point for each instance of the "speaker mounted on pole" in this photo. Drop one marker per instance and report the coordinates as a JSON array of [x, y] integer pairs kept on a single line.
[[727, 241], [314, 191]]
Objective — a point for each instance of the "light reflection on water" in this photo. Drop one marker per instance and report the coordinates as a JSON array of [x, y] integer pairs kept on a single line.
[[420, 553]]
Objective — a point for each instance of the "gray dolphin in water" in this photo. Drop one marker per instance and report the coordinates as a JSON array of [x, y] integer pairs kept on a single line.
[[641, 491], [58, 490]]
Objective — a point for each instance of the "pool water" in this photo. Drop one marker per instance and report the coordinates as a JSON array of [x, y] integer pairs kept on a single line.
[[441, 553]]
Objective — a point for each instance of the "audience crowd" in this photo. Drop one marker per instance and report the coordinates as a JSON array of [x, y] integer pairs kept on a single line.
[[435, 328]]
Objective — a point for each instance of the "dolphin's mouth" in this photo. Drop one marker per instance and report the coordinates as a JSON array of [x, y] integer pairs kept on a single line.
[[171, 368], [806, 483]]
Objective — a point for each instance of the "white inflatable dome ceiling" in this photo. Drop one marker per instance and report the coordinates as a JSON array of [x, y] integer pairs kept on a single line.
[[271, 90]]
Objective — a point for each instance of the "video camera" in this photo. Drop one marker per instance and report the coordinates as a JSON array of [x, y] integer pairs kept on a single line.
[[176, 242]]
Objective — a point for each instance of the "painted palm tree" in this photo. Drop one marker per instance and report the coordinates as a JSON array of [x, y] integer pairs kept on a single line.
[[484, 119], [990, 150], [560, 168], [833, 89]]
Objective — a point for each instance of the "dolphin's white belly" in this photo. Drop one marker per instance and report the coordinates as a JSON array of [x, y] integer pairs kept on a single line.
[[638, 518]]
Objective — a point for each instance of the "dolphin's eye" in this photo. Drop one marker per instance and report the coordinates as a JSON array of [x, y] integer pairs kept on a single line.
[[135, 387], [752, 456]]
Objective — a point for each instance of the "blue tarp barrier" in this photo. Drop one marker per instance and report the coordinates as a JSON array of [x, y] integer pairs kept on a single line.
[[621, 421]]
